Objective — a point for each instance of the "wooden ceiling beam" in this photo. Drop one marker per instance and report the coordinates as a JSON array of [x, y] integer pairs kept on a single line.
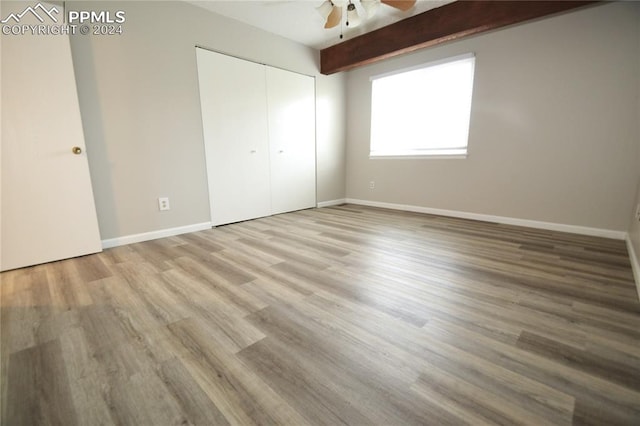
[[446, 23]]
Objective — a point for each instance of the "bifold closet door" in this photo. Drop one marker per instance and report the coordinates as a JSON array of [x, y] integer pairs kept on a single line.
[[292, 140], [234, 119]]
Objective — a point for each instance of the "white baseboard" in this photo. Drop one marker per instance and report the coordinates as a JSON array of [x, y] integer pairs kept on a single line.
[[332, 202], [635, 266], [154, 235], [549, 226]]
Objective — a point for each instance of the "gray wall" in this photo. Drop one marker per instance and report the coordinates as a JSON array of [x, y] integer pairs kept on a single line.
[[634, 237], [141, 113], [634, 226], [331, 134], [554, 134]]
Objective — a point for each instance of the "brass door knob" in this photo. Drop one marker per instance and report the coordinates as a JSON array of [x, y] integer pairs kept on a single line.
[[76, 150]]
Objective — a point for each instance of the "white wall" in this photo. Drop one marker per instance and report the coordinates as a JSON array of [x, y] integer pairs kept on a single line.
[[141, 114], [554, 134]]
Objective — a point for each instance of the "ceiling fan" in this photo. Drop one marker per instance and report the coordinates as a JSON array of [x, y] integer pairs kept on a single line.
[[331, 10]]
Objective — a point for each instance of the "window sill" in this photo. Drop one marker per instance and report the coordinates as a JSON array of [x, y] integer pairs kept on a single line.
[[417, 155]]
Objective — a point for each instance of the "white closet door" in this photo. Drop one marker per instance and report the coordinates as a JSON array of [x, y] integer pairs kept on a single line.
[[234, 118], [48, 211], [291, 108]]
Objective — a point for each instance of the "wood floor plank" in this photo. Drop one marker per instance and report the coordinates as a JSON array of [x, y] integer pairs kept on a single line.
[[91, 406], [220, 317], [67, 285], [271, 246], [91, 268], [571, 381], [243, 398], [350, 285], [354, 389], [341, 315], [198, 408], [607, 368], [233, 294], [39, 387], [595, 412], [471, 403], [201, 242], [229, 271], [144, 399], [318, 399]]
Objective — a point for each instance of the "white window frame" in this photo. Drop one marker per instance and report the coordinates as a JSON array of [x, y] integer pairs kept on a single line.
[[449, 152]]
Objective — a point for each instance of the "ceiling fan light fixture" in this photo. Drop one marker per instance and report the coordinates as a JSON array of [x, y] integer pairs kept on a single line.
[[334, 18], [402, 5], [370, 7], [353, 19], [325, 9], [331, 11]]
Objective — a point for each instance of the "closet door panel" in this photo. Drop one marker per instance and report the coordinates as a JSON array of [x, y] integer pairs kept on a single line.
[[234, 116], [291, 112]]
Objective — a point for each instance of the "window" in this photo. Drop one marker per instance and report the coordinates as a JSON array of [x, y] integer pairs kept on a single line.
[[422, 111]]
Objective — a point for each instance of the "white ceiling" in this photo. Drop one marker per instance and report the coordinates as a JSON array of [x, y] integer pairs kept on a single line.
[[299, 21]]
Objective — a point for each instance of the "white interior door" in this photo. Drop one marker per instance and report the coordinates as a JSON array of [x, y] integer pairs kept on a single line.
[[48, 211], [234, 119], [291, 108]]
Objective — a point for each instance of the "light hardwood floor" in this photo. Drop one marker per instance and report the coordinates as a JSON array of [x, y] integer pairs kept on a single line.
[[343, 315]]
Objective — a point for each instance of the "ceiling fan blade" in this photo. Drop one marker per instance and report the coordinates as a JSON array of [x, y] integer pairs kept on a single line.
[[403, 5], [334, 17]]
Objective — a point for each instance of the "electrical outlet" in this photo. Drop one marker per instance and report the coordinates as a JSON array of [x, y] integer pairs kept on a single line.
[[372, 184], [163, 203]]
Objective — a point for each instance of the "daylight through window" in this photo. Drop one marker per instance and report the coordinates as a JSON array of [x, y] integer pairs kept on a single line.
[[423, 111]]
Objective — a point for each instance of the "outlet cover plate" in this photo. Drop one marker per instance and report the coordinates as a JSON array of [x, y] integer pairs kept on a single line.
[[163, 204]]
